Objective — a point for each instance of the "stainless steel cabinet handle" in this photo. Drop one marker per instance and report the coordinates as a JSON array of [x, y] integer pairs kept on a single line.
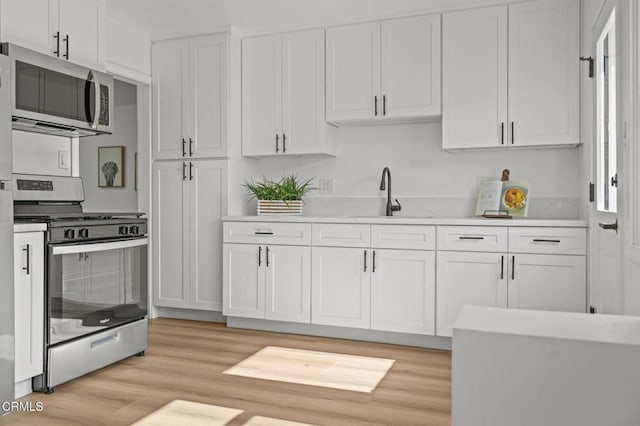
[[375, 106], [384, 104], [513, 133], [28, 267], [609, 226], [267, 256], [502, 133], [184, 147], [470, 238], [513, 267], [190, 147], [263, 233], [66, 40], [277, 141], [190, 170], [284, 142], [373, 262], [365, 261], [184, 171], [259, 256], [502, 267], [543, 240]]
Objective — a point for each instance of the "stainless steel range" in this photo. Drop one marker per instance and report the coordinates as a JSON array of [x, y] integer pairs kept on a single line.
[[96, 278]]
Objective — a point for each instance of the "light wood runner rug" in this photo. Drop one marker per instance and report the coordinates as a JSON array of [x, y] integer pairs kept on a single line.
[[338, 371]]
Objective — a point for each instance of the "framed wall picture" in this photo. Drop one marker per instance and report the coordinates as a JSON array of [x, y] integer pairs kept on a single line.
[[111, 166]]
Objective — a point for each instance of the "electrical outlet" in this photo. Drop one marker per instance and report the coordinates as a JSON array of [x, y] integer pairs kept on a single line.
[[325, 186], [63, 159]]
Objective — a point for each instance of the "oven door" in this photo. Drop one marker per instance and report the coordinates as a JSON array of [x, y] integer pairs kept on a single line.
[[93, 286]]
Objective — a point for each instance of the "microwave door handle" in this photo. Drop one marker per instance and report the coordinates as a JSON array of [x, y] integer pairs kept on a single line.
[[96, 87]]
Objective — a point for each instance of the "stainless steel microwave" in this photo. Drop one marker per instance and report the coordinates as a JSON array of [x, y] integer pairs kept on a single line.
[[53, 96]]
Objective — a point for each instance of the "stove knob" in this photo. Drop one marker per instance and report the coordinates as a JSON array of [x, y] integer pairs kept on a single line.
[[135, 229], [83, 233], [69, 234], [123, 230]]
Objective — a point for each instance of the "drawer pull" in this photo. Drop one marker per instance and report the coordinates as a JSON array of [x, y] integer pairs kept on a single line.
[[470, 238], [259, 256], [263, 233], [542, 240], [104, 341]]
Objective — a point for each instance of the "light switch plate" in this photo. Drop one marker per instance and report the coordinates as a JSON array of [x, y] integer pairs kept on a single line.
[[325, 186], [64, 159]]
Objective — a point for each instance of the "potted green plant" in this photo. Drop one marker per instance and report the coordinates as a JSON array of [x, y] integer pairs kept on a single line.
[[283, 197]]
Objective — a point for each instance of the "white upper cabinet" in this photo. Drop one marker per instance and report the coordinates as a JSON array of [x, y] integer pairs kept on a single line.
[[190, 98], [353, 72], [544, 101], [507, 80], [387, 70], [283, 95], [73, 30], [474, 79]]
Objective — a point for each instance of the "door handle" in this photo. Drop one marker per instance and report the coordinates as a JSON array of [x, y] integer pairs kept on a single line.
[[365, 261], [28, 267], [190, 147], [57, 51], [190, 170], [609, 226], [502, 267], [502, 133], [373, 262], [184, 171], [277, 143], [259, 256], [184, 147], [66, 41], [267, 256], [284, 142], [513, 267], [375, 106], [384, 104], [512, 133]]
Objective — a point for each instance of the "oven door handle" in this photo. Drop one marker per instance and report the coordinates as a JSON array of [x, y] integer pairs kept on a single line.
[[88, 248]]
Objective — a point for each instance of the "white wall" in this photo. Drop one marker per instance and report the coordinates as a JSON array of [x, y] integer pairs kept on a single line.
[[421, 169], [35, 153], [125, 133]]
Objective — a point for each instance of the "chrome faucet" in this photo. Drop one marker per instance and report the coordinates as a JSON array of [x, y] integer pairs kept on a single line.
[[390, 207]]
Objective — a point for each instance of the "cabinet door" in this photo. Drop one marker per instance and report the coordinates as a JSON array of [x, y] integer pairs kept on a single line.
[[83, 22], [244, 280], [411, 67], [468, 278], [171, 228], [30, 23], [548, 282], [170, 99], [288, 283], [353, 72], [208, 96], [303, 91], [544, 75], [29, 304], [341, 290], [474, 78], [403, 291], [261, 95], [207, 205]]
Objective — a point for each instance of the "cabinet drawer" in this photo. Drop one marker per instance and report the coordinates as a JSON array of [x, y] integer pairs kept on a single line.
[[548, 240], [341, 235], [267, 233], [410, 237], [472, 238]]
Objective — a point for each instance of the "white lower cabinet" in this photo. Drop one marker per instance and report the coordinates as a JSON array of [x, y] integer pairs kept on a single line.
[[188, 204], [29, 304], [548, 282], [468, 278], [267, 282], [341, 286], [403, 291]]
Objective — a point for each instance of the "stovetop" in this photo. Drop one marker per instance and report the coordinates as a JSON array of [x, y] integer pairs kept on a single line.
[[76, 216]]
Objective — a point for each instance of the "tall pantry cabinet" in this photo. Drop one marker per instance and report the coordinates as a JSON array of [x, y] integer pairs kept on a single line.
[[190, 170]]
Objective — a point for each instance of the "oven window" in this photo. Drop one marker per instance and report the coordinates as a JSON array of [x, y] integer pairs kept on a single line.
[[92, 290], [49, 92]]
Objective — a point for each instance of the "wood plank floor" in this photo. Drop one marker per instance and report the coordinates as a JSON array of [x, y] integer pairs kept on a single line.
[[185, 360]]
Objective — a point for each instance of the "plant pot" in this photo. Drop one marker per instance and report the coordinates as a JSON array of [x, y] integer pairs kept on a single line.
[[280, 207]]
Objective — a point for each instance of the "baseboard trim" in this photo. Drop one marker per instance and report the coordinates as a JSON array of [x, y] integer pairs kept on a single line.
[[190, 314], [432, 342]]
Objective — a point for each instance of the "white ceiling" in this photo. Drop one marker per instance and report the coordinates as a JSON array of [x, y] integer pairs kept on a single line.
[[171, 18]]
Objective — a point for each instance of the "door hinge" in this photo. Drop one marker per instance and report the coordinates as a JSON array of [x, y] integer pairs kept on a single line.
[[592, 309], [592, 192], [590, 60]]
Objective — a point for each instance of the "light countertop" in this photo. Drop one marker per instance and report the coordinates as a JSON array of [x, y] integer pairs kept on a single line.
[[399, 220], [29, 227]]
